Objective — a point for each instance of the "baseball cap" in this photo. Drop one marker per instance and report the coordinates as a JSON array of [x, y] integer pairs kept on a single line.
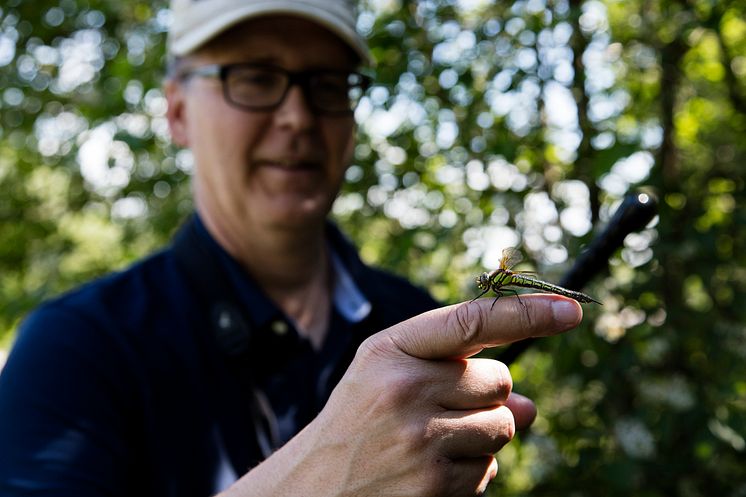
[[195, 22]]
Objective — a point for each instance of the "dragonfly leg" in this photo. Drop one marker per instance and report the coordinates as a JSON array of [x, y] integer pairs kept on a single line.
[[499, 294], [475, 298], [516, 296], [523, 304]]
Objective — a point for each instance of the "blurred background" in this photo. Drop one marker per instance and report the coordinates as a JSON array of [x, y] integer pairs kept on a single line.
[[491, 124]]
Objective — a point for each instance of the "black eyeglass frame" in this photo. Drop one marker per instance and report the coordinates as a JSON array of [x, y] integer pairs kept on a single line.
[[301, 78]]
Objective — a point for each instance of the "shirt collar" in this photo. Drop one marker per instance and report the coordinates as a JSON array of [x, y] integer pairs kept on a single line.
[[347, 297]]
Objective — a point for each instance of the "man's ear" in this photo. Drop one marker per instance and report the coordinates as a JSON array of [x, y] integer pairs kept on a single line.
[[176, 112]]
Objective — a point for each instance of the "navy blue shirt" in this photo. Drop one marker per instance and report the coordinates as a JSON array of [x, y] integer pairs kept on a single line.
[[118, 388]]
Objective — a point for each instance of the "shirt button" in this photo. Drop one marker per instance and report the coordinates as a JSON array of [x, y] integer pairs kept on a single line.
[[279, 328], [224, 320]]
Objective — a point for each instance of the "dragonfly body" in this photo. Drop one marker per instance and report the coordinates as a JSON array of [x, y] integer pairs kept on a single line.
[[497, 279]]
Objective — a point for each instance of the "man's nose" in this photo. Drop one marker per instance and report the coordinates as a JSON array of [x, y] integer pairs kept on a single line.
[[295, 110]]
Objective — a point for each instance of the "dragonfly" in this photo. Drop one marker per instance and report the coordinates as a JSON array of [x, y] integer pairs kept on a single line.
[[497, 279]]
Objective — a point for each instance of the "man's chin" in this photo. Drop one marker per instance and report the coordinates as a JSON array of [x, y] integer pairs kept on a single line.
[[300, 215]]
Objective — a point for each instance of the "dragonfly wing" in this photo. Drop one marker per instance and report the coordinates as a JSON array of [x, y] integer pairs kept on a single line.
[[511, 256]]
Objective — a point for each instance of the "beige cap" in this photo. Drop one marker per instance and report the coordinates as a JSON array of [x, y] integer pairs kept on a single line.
[[197, 21]]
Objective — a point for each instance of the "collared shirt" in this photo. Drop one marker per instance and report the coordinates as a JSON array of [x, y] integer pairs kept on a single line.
[[117, 387], [295, 378]]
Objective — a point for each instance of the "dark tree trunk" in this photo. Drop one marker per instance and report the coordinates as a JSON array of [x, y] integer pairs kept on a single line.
[[584, 163]]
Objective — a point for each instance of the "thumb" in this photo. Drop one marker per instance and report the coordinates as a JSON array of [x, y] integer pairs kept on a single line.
[[463, 329]]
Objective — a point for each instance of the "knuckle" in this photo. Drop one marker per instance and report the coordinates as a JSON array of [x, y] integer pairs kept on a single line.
[[436, 478], [396, 383], [421, 440], [370, 346], [400, 392], [466, 320], [503, 380], [415, 435], [504, 428], [522, 310], [373, 349]]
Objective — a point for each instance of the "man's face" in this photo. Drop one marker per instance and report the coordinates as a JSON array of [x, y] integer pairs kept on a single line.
[[282, 168]]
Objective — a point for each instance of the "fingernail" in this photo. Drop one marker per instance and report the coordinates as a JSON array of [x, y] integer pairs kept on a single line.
[[566, 313]]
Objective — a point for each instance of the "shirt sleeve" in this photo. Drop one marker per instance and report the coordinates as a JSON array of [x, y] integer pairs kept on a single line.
[[64, 411]]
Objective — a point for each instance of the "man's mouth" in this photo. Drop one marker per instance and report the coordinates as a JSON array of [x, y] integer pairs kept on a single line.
[[291, 164]]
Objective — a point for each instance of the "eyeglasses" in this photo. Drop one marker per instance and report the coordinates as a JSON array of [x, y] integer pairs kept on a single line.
[[260, 87]]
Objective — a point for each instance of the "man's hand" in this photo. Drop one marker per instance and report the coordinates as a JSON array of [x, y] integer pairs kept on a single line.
[[414, 414]]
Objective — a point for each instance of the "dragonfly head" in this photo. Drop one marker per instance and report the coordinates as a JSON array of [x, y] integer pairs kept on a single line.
[[483, 281]]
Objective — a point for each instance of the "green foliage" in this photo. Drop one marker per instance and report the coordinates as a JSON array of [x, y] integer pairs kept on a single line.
[[88, 179], [490, 124]]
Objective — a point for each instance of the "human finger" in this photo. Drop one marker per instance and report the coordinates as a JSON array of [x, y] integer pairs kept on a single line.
[[463, 329], [523, 409], [467, 383], [468, 434], [469, 476]]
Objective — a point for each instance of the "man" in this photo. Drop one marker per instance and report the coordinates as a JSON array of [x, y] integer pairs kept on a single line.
[[260, 335]]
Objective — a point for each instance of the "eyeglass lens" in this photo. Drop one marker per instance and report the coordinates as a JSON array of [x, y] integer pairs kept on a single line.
[[258, 87]]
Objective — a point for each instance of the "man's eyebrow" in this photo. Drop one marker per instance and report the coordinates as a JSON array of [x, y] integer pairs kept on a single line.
[[273, 60], [261, 59], [276, 62]]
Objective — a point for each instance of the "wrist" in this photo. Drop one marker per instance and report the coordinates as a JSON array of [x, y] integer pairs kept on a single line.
[[304, 466]]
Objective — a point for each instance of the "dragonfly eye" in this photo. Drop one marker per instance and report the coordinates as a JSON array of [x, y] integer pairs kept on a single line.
[[483, 281]]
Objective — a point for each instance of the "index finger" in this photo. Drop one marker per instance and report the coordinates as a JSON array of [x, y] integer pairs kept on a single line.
[[463, 329]]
